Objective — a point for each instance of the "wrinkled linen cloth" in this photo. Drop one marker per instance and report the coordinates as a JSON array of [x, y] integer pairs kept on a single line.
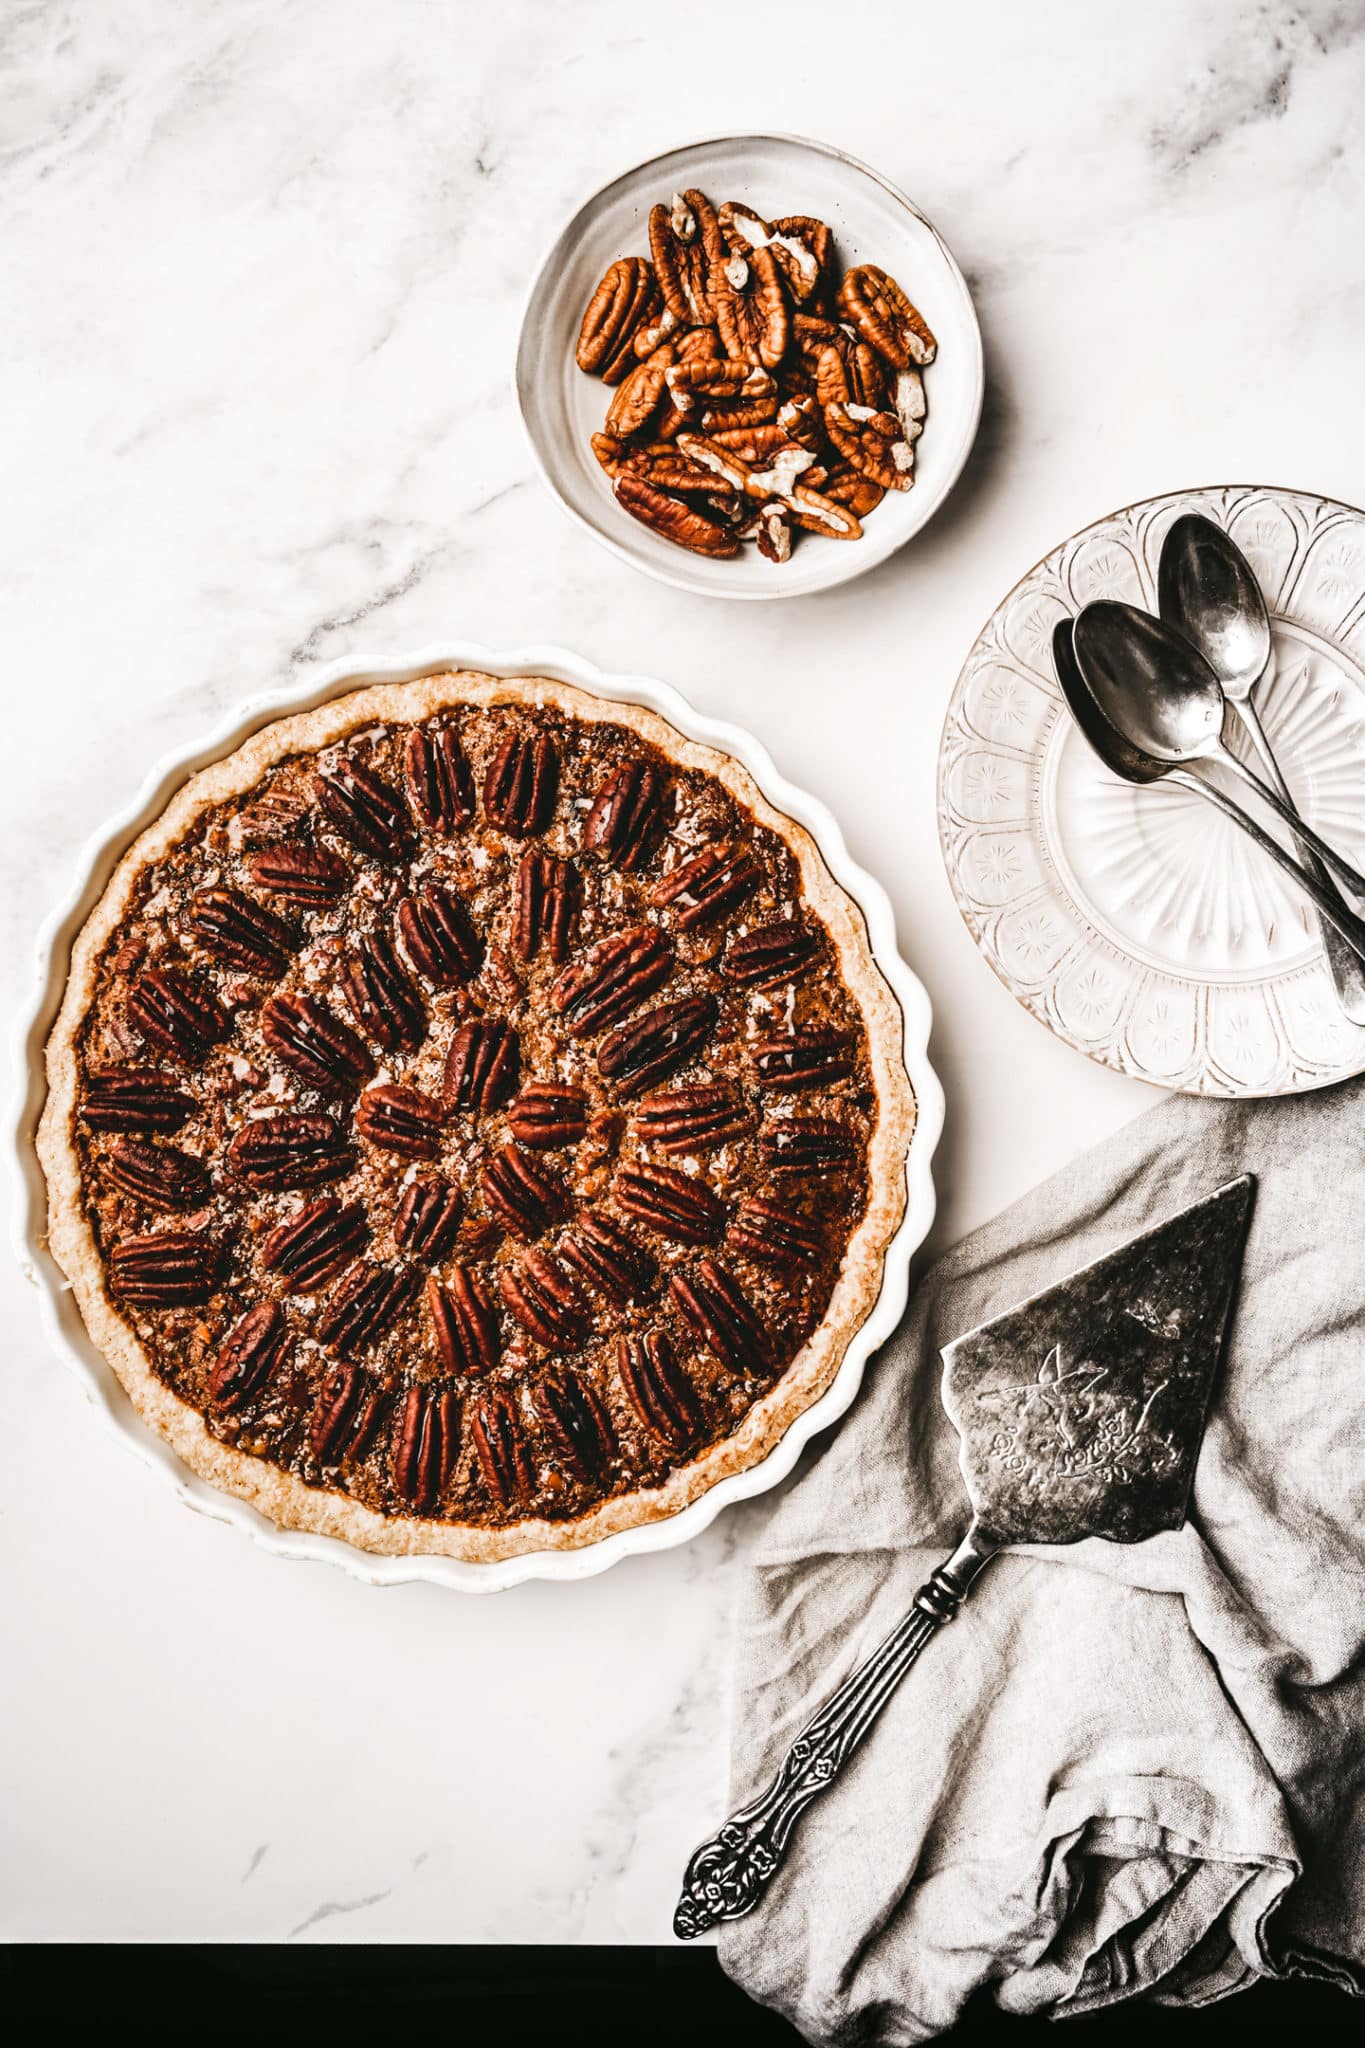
[[1120, 1771]]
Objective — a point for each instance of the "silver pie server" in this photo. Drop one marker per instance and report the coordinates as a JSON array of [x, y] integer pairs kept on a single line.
[[1124, 759], [1079, 1413], [1207, 590]]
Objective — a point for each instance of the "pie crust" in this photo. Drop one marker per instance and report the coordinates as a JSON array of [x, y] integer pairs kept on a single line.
[[743, 1411]]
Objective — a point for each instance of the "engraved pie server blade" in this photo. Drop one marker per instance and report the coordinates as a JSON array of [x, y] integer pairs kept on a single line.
[[1080, 1413]]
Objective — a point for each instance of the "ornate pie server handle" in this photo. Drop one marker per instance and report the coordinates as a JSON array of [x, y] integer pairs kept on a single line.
[[727, 1876]]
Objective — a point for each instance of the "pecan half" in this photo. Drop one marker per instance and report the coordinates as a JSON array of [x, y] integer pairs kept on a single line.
[[627, 814], [710, 381], [656, 332], [609, 1259], [427, 1220], [399, 1119], [172, 1013], [682, 524], [872, 443], [694, 1119], [751, 309], [774, 1234], [549, 1113], [233, 928], [814, 512], [884, 316], [605, 983], [346, 1414], [166, 1269], [315, 1045], [674, 1204], [277, 1153], [465, 1322], [500, 1447], [685, 243], [274, 817], [806, 1059], [365, 1304], [574, 1418], [384, 1001], [545, 1302], [365, 810], [640, 397], [722, 1315], [315, 1244], [439, 936], [438, 780], [789, 243], [133, 1099], [521, 783], [644, 1049], [157, 1174], [807, 1144], [658, 1389], [549, 892], [254, 1351], [313, 876], [426, 1443], [770, 953], [774, 533], [844, 485], [521, 1195], [704, 888], [908, 404], [624, 301], [482, 1065]]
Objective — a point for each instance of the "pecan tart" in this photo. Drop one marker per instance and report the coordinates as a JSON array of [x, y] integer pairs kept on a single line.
[[476, 1121]]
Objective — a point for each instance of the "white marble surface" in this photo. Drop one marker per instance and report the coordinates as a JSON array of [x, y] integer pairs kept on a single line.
[[263, 263]]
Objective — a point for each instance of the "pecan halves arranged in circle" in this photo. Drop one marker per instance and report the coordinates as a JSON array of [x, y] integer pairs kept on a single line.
[[521, 783], [315, 1045], [549, 1114], [364, 1305], [574, 1418], [311, 1247], [720, 1312], [384, 1001], [400, 1119], [464, 1322], [875, 304], [426, 1443], [158, 1175], [714, 881], [674, 1204], [241, 933], [774, 1235], [254, 1351], [427, 1220], [768, 954], [677, 522], [481, 1066], [540, 1294], [438, 780], [694, 1119], [806, 1059], [176, 1015], [609, 1259], [523, 1197], [439, 935], [686, 245], [644, 1049], [628, 814], [362, 807], [133, 1099], [346, 1414], [872, 443], [275, 1154], [166, 1269], [312, 876], [626, 299], [807, 1144], [658, 1389], [549, 892], [605, 983], [500, 1446]]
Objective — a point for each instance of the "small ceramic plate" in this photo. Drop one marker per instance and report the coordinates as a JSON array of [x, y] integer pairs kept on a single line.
[[1138, 924], [775, 174]]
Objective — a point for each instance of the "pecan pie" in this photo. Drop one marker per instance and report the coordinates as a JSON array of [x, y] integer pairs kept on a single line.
[[476, 1121]]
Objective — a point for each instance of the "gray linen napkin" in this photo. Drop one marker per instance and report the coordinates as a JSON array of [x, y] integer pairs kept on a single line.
[[1120, 1770]]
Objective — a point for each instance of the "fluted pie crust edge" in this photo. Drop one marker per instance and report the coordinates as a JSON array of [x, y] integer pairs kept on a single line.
[[280, 1496]]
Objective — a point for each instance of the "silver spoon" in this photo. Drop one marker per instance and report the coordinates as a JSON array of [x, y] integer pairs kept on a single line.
[[1133, 765], [1161, 694], [1207, 590]]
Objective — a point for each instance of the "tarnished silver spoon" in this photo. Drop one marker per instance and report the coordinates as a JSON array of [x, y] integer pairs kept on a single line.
[[1134, 765], [1162, 696], [1207, 590]]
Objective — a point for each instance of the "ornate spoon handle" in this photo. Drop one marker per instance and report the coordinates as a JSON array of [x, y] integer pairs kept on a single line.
[[728, 1874]]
